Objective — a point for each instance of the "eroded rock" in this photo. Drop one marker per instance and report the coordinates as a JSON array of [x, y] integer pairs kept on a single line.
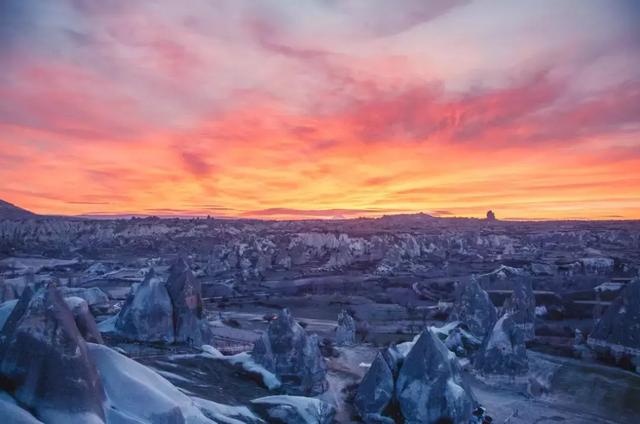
[[376, 391], [43, 358], [147, 314], [84, 320], [292, 355], [618, 331], [346, 331], [186, 298], [474, 309], [504, 352], [430, 386], [522, 306]]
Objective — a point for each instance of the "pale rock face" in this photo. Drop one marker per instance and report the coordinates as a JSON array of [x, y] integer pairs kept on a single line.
[[375, 391], [504, 352], [292, 355], [84, 320], [44, 356], [346, 331], [430, 386], [147, 314], [137, 394], [474, 309], [619, 329]]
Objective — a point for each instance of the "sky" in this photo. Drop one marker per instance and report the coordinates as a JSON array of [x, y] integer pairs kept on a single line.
[[285, 109]]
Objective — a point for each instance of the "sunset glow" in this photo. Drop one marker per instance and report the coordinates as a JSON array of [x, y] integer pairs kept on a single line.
[[321, 109]]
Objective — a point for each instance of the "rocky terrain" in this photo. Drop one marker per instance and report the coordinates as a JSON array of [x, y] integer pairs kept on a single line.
[[401, 319]]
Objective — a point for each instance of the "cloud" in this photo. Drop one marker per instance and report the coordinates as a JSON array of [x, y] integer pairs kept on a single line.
[[195, 164], [321, 109]]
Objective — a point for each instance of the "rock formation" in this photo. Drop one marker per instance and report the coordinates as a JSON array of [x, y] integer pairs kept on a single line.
[[504, 352], [292, 355], [44, 361], [491, 216], [522, 305], [618, 331], [474, 309], [430, 386], [169, 312], [186, 297], [375, 392], [84, 320], [346, 331], [147, 314], [92, 295]]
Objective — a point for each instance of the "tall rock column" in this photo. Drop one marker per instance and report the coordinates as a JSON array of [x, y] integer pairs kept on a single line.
[[185, 292], [346, 330], [522, 305]]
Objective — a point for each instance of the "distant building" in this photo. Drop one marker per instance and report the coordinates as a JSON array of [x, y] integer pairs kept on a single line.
[[491, 216]]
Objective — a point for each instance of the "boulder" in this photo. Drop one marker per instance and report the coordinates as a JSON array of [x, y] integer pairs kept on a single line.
[[147, 315], [474, 309], [346, 331], [292, 355], [522, 306], [375, 391], [186, 297], [93, 295], [504, 352], [294, 410], [44, 361], [84, 320], [430, 386]]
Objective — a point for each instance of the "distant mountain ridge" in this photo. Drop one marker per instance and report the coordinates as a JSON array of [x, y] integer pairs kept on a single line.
[[11, 211]]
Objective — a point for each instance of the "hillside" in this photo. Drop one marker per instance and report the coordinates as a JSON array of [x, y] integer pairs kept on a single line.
[[10, 211]]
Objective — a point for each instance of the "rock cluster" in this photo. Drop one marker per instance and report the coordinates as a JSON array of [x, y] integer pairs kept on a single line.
[[49, 373], [427, 387], [293, 356], [504, 352], [346, 330], [165, 312], [618, 331]]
